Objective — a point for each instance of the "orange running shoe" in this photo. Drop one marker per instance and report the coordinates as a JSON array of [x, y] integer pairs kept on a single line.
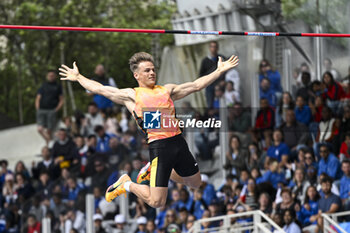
[[144, 174], [117, 189]]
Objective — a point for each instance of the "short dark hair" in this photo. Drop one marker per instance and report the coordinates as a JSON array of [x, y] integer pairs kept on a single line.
[[327, 179], [345, 161], [98, 128], [92, 104], [137, 58]]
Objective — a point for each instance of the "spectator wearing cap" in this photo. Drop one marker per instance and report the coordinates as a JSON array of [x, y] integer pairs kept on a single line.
[[120, 224], [345, 184], [103, 139], [173, 228], [64, 151], [141, 224], [329, 163], [208, 189], [98, 218]]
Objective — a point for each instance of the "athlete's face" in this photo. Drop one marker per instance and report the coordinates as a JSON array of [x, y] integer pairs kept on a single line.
[[146, 74]]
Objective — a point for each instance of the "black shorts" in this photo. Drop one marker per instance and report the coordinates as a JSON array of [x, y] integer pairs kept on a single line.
[[169, 153]]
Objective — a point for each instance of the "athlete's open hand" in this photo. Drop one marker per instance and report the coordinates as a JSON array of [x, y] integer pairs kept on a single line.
[[68, 73], [224, 66]]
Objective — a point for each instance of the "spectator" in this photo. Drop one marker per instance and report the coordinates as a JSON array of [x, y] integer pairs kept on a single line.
[[273, 76], [183, 215], [274, 175], [190, 221], [295, 134], [98, 218], [329, 163], [33, 225], [171, 218], [73, 189], [208, 65], [264, 123], [208, 189], [185, 200], [239, 118], [345, 123], [48, 101], [299, 185], [231, 94], [4, 171], [290, 226], [278, 150], [302, 112], [218, 94], [23, 188], [266, 92], [21, 168], [233, 76], [329, 202], [345, 185], [236, 156], [118, 152], [103, 140], [251, 195], [101, 174], [328, 67], [9, 189], [309, 210], [288, 203], [74, 220], [284, 104], [333, 93], [305, 91], [150, 227], [136, 166], [256, 157], [92, 119], [46, 165], [64, 151], [199, 204], [56, 205], [344, 149], [100, 76], [265, 203], [120, 224]]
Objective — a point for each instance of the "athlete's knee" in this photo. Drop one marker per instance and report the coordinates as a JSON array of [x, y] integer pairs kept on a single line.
[[157, 202]]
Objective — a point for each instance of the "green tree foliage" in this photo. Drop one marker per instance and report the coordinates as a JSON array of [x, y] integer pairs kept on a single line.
[[28, 55], [332, 15]]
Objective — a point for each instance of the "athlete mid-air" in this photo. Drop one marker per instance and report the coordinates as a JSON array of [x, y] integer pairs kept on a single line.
[[170, 157]]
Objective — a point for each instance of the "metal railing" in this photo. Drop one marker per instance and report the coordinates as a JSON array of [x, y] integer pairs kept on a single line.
[[230, 225], [330, 222]]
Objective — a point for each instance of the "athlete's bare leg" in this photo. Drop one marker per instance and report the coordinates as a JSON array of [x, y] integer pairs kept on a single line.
[[153, 196], [190, 181]]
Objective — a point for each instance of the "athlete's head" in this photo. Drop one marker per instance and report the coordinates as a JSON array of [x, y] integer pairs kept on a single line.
[[142, 67]]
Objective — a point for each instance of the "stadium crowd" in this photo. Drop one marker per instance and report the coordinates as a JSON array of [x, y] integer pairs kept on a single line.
[[293, 164]]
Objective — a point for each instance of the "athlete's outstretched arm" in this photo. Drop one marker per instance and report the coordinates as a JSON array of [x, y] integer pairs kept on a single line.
[[117, 95], [182, 90]]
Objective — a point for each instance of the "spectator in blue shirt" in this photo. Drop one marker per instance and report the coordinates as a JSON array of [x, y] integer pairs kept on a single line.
[[208, 189], [73, 189], [273, 76], [185, 200], [345, 184], [103, 139], [199, 204], [273, 175], [309, 210], [279, 150], [302, 112], [266, 92], [329, 163]]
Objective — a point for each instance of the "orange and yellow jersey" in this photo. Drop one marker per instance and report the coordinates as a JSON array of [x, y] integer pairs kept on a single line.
[[155, 113]]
